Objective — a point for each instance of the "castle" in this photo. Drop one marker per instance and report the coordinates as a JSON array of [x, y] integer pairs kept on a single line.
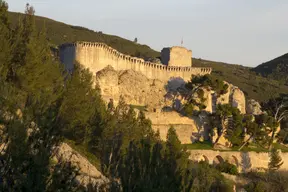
[[176, 61]]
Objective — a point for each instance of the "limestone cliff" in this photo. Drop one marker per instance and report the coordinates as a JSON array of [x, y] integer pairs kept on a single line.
[[160, 98], [135, 88], [234, 96]]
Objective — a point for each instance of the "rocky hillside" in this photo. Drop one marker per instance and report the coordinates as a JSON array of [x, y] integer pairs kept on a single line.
[[255, 86], [275, 69]]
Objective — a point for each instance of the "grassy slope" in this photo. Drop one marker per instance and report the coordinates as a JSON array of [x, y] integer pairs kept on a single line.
[[59, 33], [253, 86]]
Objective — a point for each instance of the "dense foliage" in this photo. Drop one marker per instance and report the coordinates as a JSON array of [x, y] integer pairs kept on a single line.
[[267, 182], [227, 167], [31, 88]]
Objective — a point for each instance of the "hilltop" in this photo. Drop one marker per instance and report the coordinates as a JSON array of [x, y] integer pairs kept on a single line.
[[59, 33], [275, 69], [253, 85]]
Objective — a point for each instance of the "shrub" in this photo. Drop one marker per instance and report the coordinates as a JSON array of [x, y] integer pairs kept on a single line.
[[227, 167]]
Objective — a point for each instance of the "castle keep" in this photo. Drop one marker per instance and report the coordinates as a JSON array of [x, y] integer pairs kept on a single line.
[[176, 56], [96, 56]]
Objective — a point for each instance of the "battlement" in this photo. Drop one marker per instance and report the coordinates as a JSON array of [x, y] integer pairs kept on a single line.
[[97, 56]]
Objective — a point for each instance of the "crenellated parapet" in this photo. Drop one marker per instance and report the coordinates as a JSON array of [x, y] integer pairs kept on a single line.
[[96, 56]]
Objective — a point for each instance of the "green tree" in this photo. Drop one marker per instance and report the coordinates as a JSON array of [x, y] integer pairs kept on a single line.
[[228, 122], [5, 40], [80, 106], [29, 115], [151, 165], [25, 30], [258, 128], [121, 127], [275, 161], [278, 109]]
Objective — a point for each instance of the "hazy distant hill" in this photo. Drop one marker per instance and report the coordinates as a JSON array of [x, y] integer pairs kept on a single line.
[[254, 86], [275, 69]]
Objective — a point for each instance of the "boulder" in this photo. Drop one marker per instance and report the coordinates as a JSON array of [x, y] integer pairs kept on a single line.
[[88, 173], [253, 107]]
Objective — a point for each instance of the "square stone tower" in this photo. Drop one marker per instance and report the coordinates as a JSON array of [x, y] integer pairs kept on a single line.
[[176, 56]]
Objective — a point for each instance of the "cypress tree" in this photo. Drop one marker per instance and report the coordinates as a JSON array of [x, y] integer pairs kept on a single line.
[[275, 160]]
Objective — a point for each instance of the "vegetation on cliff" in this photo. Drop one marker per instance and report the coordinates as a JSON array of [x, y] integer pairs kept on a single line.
[[228, 122]]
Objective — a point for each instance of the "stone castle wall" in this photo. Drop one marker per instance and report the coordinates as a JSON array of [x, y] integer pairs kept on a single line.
[[245, 161], [97, 56]]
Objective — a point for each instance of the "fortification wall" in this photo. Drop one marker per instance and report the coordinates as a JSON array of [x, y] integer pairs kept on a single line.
[[245, 161], [97, 56], [188, 129]]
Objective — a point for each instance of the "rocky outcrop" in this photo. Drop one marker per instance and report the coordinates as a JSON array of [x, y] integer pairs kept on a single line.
[[88, 173], [108, 81], [237, 99], [234, 96], [253, 107], [135, 87]]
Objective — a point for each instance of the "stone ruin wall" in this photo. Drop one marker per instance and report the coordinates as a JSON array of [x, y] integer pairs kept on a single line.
[[97, 56], [245, 161]]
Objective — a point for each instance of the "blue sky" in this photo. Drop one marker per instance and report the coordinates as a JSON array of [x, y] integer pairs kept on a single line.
[[246, 32]]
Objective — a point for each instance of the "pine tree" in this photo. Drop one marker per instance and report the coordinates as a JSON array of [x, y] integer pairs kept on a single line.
[[275, 160], [25, 30], [27, 154], [79, 104], [176, 160], [5, 41]]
